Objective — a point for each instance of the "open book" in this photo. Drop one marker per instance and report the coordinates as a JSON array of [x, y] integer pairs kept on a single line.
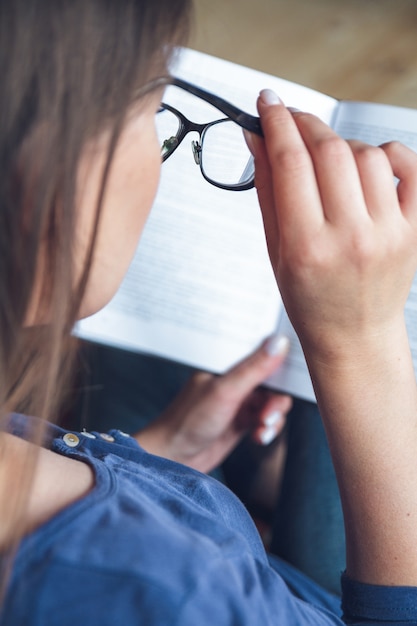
[[200, 289]]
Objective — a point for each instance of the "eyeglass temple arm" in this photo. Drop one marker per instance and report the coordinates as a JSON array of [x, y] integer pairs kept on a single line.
[[247, 121]]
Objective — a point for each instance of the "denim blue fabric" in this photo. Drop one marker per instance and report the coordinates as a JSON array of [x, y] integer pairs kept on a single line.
[[156, 543], [395, 605], [308, 528], [127, 390]]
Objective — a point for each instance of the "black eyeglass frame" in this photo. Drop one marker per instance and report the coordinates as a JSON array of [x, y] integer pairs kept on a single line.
[[245, 120]]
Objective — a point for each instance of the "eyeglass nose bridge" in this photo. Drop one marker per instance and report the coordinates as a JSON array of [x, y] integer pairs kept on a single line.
[[187, 126], [196, 145]]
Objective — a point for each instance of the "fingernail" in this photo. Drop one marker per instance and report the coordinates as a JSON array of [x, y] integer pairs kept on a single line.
[[269, 97], [267, 435], [273, 419], [294, 110], [277, 345]]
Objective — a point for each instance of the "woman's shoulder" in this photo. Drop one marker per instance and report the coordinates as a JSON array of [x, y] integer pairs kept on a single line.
[[146, 534], [163, 509]]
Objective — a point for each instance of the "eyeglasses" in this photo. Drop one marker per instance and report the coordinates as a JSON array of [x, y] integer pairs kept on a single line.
[[221, 150]]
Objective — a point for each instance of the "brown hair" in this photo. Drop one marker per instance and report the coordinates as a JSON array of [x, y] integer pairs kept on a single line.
[[68, 70]]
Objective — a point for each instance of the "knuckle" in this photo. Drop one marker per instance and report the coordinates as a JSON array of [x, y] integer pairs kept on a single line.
[[304, 254], [396, 150], [394, 147], [372, 156], [331, 148], [366, 251], [292, 160], [362, 247]]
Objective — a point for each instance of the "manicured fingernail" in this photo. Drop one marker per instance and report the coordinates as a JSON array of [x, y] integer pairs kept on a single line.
[[269, 97], [267, 435], [293, 110], [273, 418], [277, 345]]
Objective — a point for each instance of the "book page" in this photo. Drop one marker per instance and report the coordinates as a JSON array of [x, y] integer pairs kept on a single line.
[[376, 124], [200, 289]]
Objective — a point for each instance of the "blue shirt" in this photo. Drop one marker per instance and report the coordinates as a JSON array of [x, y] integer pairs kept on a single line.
[[156, 543]]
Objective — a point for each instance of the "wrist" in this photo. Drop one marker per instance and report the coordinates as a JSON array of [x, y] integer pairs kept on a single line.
[[345, 349], [153, 439]]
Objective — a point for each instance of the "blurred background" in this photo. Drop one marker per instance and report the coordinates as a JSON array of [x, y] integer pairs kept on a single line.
[[349, 49]]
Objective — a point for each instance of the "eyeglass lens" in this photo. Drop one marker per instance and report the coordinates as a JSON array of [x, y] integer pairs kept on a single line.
[[225, 157]]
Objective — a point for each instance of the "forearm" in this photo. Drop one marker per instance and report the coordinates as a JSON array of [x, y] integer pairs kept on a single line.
[[368, 399], [342, 238]]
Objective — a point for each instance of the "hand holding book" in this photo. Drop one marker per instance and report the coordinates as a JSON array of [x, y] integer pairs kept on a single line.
[[212, 414]]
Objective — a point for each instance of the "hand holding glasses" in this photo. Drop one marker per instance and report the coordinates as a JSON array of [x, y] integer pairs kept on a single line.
[[221, 151]]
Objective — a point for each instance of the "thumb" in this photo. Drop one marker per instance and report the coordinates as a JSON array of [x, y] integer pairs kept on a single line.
[[244, 377]]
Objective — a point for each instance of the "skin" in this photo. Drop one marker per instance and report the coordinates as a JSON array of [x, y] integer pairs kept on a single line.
[[343, 245], [130, 191]]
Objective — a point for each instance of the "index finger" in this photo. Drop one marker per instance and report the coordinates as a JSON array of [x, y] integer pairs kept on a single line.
[[296, 192]]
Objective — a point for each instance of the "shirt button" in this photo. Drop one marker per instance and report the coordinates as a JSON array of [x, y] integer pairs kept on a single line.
[[107, 437], [89, 435], [122, 434], [71, 440]]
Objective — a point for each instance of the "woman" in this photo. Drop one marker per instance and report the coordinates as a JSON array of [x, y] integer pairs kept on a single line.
[[95, 530]]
